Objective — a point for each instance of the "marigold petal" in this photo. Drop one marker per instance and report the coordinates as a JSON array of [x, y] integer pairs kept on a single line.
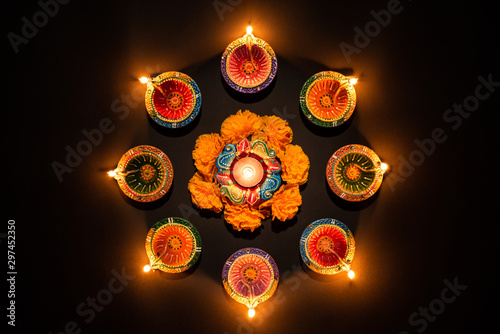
[[285, 202], [243, 216], [206, 150], [294, 165], [276, 132], [206, 195], [239, 126]]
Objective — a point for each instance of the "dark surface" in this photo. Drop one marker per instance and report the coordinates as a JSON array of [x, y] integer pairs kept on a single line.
[[413, 238]]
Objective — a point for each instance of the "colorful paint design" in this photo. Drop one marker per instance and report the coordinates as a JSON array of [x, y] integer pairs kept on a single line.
[[249, 64], [173, 99], [238, 194], [354, 172], [144, 173], [328, 99], [173, 245], [250, 276], [327, 246]]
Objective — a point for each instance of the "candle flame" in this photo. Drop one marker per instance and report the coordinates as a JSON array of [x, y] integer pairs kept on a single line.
[[351, 274], [144, 80], [251, 312], [146, 268], [248, 172], [384, 167], [353, 80], [112, 173], [249, 30]]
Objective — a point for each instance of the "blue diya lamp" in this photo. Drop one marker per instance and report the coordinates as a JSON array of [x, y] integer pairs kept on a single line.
[[248, 172]]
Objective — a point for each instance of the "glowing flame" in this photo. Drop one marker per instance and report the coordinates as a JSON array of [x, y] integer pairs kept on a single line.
[[248, 172], [351, 274], [146, 268], [112, 173], [353, 80], [249, 30], [144, 80], [251, 312], [384, 167]]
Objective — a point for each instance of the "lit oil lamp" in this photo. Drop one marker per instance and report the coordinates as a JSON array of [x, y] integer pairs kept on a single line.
[[173, 99], [250, 276], [173, 245], [327, 247], [248, 172], [249, 64], [355, 172], [328, 98], [144, 173]]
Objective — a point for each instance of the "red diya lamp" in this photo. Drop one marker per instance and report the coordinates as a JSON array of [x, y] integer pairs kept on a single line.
[[250, 276], [173, 245], [249, 64], [327, 247], [355, 172], [173, 99], [144, 173], [328, 98]]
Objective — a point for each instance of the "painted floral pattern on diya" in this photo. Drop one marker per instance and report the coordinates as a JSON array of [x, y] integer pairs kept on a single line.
[[173, 99], [173, 245], [249, 64], [249, 171], [328, 99], [144, 173], [354, 172], [327, 246], [250, 276], [246, 162]]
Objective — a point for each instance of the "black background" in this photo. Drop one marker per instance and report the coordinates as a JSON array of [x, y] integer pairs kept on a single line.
[[412, 237]]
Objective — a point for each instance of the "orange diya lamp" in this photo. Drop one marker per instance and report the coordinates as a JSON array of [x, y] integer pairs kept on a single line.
[[328, 98]]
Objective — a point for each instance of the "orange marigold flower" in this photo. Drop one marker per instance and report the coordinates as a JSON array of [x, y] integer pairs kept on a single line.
[[277, 135], [285, 203], [294, 165], [239, 126], [243, 216], [206, 195], [276, 132], [206, 150]]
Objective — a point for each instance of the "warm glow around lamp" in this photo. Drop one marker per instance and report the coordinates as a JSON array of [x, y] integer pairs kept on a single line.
[[248, 172], [249, 30]]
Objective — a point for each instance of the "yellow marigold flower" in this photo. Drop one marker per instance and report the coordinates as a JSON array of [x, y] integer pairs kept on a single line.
[[243, 216], [206, 195], [239, 126], [294, 165], [285, 203], [276, 132], [206, 150]]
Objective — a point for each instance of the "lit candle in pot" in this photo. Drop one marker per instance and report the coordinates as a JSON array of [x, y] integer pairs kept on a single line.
[[248, 172]]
